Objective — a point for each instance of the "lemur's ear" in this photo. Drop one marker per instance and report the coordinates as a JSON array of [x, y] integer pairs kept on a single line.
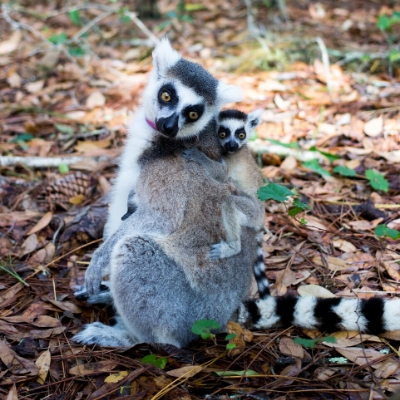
[[164, 57], [254, 118], [228, 93]]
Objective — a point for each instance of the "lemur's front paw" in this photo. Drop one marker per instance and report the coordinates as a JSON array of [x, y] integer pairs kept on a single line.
[[194, 155], [216, 250]]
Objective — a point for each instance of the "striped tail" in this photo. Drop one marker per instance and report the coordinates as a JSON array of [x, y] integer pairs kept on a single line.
[[374, 315], [259, 270]]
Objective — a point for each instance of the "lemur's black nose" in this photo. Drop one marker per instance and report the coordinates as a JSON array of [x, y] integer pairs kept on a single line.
[[168, 126], [231, 146]]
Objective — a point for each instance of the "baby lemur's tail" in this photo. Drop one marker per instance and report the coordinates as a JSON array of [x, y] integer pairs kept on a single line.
[[259, 269], [374, 315]]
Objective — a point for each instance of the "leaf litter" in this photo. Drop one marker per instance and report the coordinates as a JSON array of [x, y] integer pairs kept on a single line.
[[331, 140]]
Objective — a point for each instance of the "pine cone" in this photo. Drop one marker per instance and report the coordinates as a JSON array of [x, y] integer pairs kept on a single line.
[[71, 188]]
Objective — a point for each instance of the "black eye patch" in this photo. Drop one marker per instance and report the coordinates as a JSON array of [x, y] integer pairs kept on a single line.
[[224, 130], [238, 132], [198, 109], [170, 89]]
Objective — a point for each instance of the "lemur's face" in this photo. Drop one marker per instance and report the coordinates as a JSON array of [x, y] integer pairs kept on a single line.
[[182, 97], [232, 135]]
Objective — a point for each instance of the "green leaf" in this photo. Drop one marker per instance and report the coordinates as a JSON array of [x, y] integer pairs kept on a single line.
[[394, 55], [377, 180], [230, 346], [303, 221], [74, 17], [63, 168], [194, 7], [203, 327], [248, 372], [76, 51], [293, 145], [275, 192], [65, 129], [314, 165], [344, 171], [58, 39], [329, 156], [230, 336], [312, 342], [293, 211], [382, 230], [298, 203], [383, 23], [154, 361], [22, 138]]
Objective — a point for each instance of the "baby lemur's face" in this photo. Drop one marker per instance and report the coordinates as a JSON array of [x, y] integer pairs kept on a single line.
[[235, 127], [181, 97]]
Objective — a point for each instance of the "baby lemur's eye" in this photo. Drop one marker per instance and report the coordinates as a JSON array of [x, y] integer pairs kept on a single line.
[[165, 96], [222, 134], [193, 115], [241, 135]]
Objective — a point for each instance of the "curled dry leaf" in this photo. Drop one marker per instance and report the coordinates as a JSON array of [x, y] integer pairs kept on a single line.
[[351, 338], [65, 305], [344, 245], [43, 363], [29, 245], [235, 328], [334, 263], [388, 368], [42, 223], [392, 272]]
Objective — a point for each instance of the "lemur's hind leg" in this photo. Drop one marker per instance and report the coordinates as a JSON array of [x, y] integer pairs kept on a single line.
[[104, 335]]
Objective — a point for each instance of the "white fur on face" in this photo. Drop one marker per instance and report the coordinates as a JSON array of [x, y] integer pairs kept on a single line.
[[233, 125], [349, 311], [391, 315]]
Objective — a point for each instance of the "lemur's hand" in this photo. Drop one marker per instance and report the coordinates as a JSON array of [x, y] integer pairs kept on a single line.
[[194, 155], [94, 274]]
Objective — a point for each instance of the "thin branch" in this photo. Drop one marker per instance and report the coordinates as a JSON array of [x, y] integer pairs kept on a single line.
[[325, 61], [46, 162], [143, 27]]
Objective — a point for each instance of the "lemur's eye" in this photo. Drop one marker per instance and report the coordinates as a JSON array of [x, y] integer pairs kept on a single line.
[[165, 96], [222, 134], [241, 135], [193, 115]]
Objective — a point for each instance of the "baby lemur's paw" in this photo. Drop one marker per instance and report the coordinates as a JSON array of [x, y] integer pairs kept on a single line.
[[224, 250], [194, 155]]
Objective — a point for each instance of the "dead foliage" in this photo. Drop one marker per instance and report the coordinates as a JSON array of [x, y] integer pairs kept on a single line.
[[64, 107]]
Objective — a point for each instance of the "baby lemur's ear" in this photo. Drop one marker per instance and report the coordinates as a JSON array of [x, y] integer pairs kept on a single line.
[[254, 118], [228, 93], [164, 57]]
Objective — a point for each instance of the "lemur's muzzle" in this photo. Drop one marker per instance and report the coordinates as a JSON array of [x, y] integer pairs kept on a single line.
[[231, 146], [168, 126]]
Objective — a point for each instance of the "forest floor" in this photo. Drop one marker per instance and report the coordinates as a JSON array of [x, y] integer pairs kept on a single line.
[[325, 74]]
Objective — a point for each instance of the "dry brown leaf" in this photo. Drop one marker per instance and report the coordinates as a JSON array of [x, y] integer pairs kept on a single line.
[[14, 80], [344, 245], [334, 263], [374, 127], [188, 372], [323, 374], [361, 356], [88, 146], [34, 87], [45, 333], [43, 363], [388, 367], [314, 290], [65, 305], [95, 99], [12, 394], [289, 348], [93, 368], [7, 295], [29, 245], [365, 225], [391, 270], [16, 364], [351, 338], [289, 164], [235, 328], [391, 335], [8, 46], [42, 223], [114, 378]]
